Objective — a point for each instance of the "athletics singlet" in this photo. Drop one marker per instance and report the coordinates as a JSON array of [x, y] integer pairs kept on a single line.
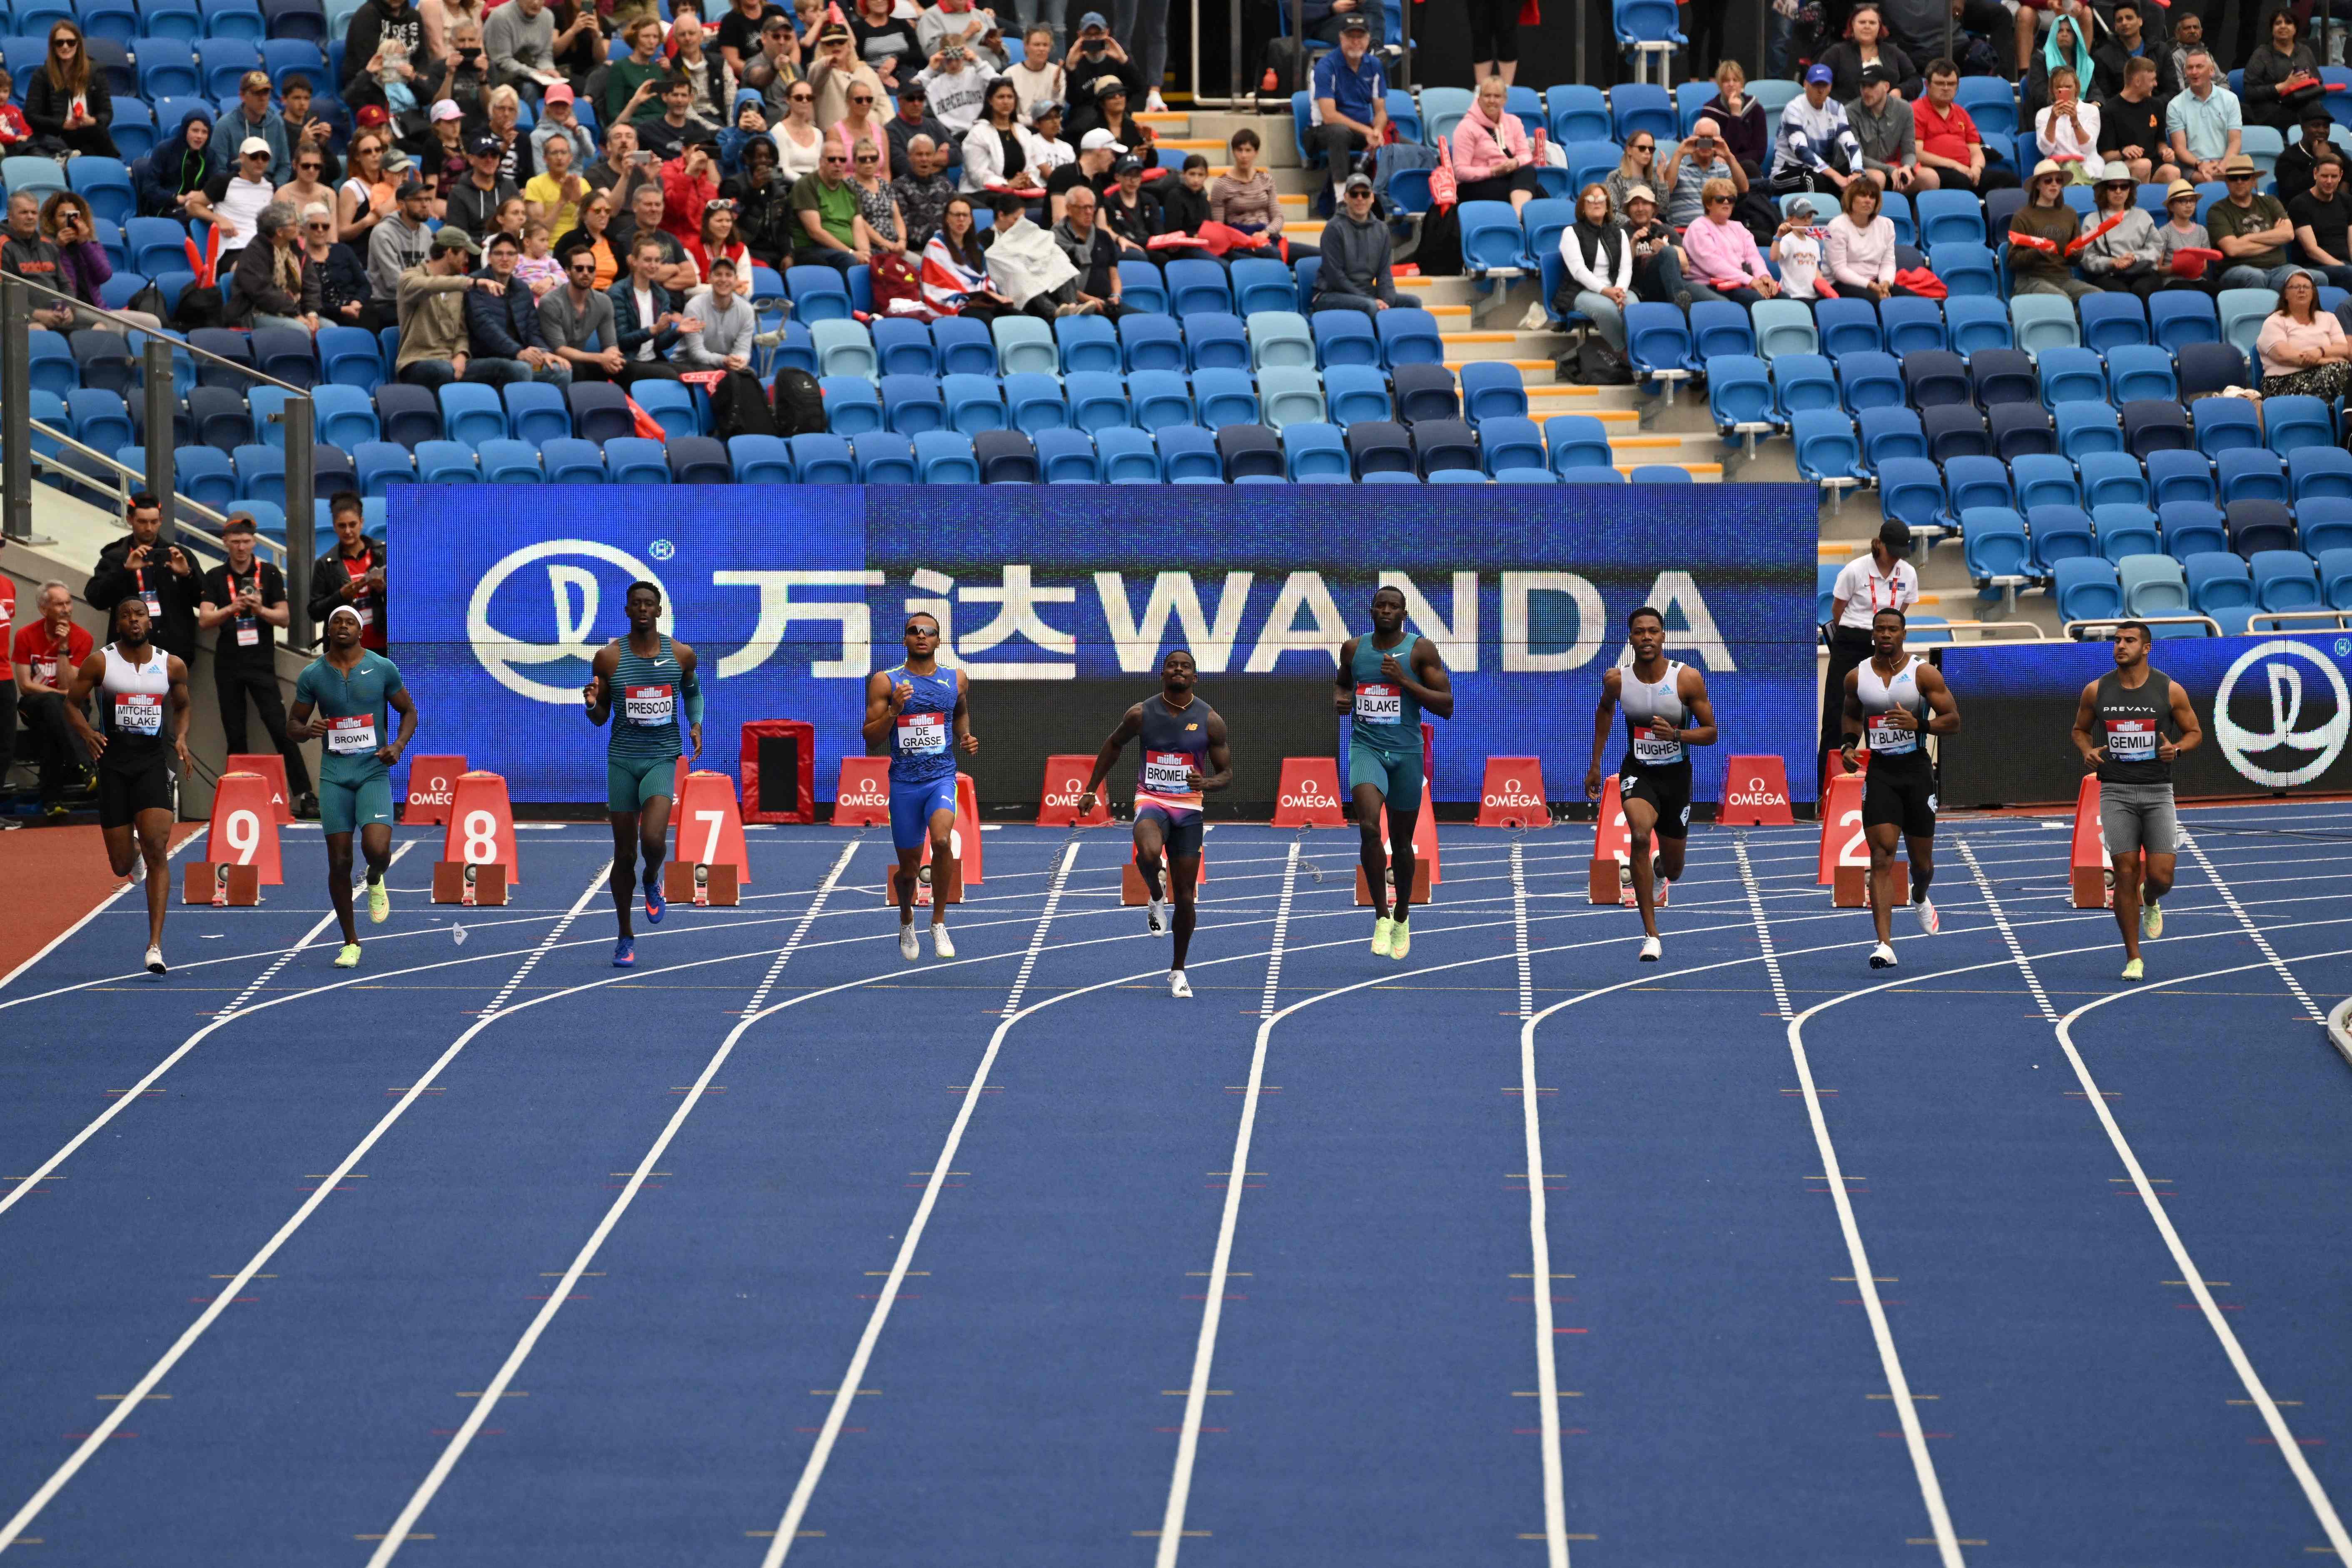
[[131, 700], [922, 737], [646, 705], [1647, 702], [1175, 741], [1889, 746], [1387, 716], [2131, 722]]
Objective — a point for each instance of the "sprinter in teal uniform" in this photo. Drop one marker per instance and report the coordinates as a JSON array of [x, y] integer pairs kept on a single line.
[[923, 715], [1386, 681], [341, 700], [655, 679]]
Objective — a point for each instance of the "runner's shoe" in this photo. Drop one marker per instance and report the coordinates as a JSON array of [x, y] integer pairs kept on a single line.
[[1882, 957], [655, 905], [625, 953], [1155, 917], [379, 903], [910, 946], [940, 942], [155, 959], [2151, 920], [1384, 936], [2135, 969], [350, 957], [1651, 949], [1399, 939], [1177, 984], [1929, 920]]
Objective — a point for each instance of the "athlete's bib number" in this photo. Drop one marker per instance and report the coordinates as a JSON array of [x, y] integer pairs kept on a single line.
[[648, 705], [1168, 773], [2131, 740], [137, 713], [1377, 702], [922, 734], [1649, 746], [351, 737], [1888, 741]]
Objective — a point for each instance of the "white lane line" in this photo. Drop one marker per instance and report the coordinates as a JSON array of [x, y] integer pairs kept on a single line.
[[853, 1379], [1281, 934], [287, 957], [495, 1390], [1555, 1501], [97, 909], [2000, 924], [1763, 926], [1527, 969], [220, 1302], [2262, 942]]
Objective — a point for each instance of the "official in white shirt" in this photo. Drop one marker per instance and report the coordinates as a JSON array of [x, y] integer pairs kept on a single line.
[[1881, 580]]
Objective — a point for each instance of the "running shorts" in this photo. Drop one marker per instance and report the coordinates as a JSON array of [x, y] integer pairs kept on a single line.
[[348, 806], [632, 783], [1180, 826], [126, 790], [912, 804], [1396, 774], [1666, 789], [2137, 816], [1901, 796]]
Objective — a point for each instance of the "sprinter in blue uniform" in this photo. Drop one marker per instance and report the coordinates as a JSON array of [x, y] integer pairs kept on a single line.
[[1184, 756], [652, 677], [922, 715]]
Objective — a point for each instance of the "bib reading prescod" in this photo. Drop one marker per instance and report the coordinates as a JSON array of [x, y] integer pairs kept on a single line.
[[652, 706], [351, 737], [1378, 702], [1168, 773], [922, 734], [136, 713], [2131, 740]]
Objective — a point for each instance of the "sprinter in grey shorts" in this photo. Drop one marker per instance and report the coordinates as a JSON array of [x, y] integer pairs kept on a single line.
[[2130, 725]]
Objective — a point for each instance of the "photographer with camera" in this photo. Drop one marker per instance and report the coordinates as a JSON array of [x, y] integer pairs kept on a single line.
[[139, 566]]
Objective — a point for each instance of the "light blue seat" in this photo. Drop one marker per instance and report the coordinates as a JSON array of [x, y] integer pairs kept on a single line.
[[2044, 321], [1291, 394], [2154, 587], [843, 347], [2112, 479], [1022, 343], [2242, 312], [1280, 338], [1036, 404], [1784, 327]]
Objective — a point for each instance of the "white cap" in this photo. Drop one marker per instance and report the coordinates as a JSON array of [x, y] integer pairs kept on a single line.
[[252, 144], [1097, 139]]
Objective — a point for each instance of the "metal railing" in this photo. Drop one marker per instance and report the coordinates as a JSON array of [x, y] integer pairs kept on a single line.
[[2277, 620], [2078, 629], [18, 458]]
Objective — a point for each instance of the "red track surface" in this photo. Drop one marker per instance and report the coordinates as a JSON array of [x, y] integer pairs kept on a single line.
[[50, 878]]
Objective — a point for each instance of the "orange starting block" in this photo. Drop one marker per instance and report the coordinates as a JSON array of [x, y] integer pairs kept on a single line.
[[1611, 871], [1426, 871], [2087, 870], [709, 864], [243, 843], [1846, 851], [963, 839], [479, 858]]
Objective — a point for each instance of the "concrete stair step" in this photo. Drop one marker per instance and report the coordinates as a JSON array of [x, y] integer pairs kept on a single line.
[[1529, 368]]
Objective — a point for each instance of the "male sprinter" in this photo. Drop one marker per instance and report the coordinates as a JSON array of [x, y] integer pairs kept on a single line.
[[1890, 699], [136, 681], [652, 673], [341, 697], [1384, 681], [1183, 739], [913, 706], [2130, 725], [1655, 779]]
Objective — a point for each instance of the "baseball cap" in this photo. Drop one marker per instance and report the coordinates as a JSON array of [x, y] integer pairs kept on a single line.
[[1641, 193], [915, 91], [1128, 166], [1358, 180], [1097, 139], [1802, 208], [1820, 74], [1876, 74], [371, 115], [1354, 23], [1109, 86], [832, 32], [485, 145], [559, 93], [1037, 110], [251, 145], [450, 237], [1093, 19], [409, 188], [444, 109]]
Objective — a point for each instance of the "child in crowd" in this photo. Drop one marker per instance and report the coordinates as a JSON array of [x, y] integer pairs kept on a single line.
[[1797, 248], [14, 131], [538, 268]]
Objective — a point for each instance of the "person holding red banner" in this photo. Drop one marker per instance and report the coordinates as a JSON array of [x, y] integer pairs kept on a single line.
[[138, 792], [341, 699], [1667, 711]]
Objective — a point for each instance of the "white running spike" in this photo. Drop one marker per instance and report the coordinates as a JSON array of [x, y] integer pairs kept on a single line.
[[910, 946], [1882, 957], [1177, 984]]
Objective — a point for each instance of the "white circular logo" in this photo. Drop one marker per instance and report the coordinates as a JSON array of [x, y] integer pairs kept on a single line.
[[661, 550], [2324, 741], [574, 593]]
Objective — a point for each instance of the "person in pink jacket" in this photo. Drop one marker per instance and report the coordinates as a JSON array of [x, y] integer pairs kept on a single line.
[[1724, 263], [1493, 160]]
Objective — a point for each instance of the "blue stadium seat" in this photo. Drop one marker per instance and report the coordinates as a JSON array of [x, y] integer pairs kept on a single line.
[[1954, 430], [98, 419], [1096, 400], [2180, 317], [1721, 327], [508, 462], [2210, 367], [1155, 342], [2285, 580], [1353, 392], [1784, 327], [2003, 376], [2225, 424], [1590, 477], [472, 413], [1975, 481], [1035, 402], [697, 460], [945, 457], [2336, 578], [1441, 445], [1066, 457], [1280, 338], [1408, 336], [1889, 433], [1128, 456], [2292, 423], [2113, 320], [2153, 586], [1949, 217], [1848, 326], [2324, 523], [819, 294], [2242, 312], [1425, 392], [2250, 473], [2070, 375], [1379, 446], [1932, 376], [1508, 442], [2317, 473], [1086, 343], [445, 463], [2136, 374], [853, 405], [1804, 383], [2153, 425], [1188, 456], [912, 403], [1197, 288], [1969, 271], [1828, 453], [1250, 452], [105, 184], [349, 357], [1216, 340], [380, 464], [1911, 490], [1493, 243], [1739, 396], [2112, 479], [2043, 480], [222, 59], [1994, 542], [2258, 525], [217, 416], [1974, 324], [2085, 427], [1263, 283], [1290, 394], [2191, 528], [569, 460], [973, 402], [2125, 531], [843, 347], [1579, 113], [2087, 589], [1345, 338], [204, 475], [261, 473], [903, 347], [1577, 441], [1313, 452], [1910, 325], [764, 459], [1140, 287], [237, 19], [1225, 397], [1005, 457], [1868, 379], [1160, 398], [536, 413], [672, 404], [2222, 586], [1657, 341], [883, 458], [600, 411], [2059, 533], [1492, 389]]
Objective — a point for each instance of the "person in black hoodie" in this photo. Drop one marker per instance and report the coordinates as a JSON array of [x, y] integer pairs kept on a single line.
[[178, 170], [139, 566], [1184, 200], [372, 24]]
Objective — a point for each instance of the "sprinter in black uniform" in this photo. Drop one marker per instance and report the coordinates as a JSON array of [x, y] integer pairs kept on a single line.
[[1893, 701], [1184, 742], [2130, 724], [1653, 781], [143, 725]]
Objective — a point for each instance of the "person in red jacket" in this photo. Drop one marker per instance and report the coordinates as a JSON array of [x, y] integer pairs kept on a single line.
[[43, 659]]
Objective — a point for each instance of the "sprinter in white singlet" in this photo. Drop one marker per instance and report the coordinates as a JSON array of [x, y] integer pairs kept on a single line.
[[142, 728], [1894, 702], [1667, 711]]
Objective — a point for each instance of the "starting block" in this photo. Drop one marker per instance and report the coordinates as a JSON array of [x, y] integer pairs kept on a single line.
[[963, 839], [1755, 792], [709, 884], [707, 830], [1426, 872], [231, 887], [1065, 784], [863, 796], [1514, 794], [270, 766], [2092, 879], [479, 859], [1309, 795], [432, 785], [1846, 850], [243, 837], [1133, 893], [1611, 871], [1833, 769]]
